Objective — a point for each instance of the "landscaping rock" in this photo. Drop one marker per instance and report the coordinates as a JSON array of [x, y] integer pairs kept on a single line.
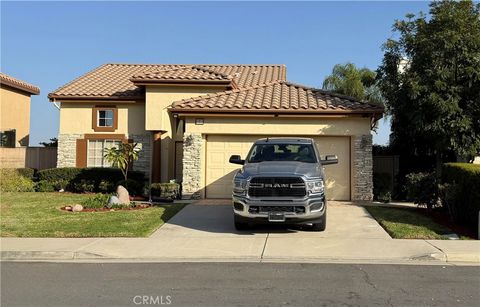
[[123, 195], [77, 208], [113, 200]]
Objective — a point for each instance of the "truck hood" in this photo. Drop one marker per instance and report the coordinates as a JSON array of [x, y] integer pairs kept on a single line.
[[278, 168]]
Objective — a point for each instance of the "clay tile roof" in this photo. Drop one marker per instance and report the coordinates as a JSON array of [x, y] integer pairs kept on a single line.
[[19, 84], [275, 97], [188, 73], [114, 81]]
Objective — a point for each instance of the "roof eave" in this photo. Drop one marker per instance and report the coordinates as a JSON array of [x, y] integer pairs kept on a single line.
[[53, 97], [33, 90], [371, 112]]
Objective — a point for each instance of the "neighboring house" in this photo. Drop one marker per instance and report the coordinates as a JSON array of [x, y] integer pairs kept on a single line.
[[189, 119], [15, 111]]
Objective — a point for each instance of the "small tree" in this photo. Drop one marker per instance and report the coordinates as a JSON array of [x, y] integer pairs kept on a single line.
[[430, 78], [122, 156], [53, 143]]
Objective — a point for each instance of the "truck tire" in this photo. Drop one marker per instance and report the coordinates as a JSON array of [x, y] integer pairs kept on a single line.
[[322, 225], [240, 225]]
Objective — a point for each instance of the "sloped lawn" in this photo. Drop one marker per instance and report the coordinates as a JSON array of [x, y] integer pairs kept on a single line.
[[407, 223], [38, 215]]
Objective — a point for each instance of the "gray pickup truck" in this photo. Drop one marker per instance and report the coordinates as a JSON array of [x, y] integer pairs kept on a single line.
[[281, 181]]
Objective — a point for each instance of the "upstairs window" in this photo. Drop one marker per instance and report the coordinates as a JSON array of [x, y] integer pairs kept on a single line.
[[104, 119]]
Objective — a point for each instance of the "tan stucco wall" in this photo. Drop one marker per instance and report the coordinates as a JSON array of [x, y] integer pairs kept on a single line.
[[280, 126], [158, 99], [76, 118], [15, 114]]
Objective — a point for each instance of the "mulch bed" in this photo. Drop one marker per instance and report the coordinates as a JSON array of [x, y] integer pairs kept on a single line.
[[126, 208]]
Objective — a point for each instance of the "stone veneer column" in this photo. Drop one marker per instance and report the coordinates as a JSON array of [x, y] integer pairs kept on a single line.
[[143, 162], [67, 150], [362, 168], [192, 176]]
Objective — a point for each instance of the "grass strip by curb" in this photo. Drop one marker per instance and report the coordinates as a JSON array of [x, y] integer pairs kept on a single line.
[[406, 223]]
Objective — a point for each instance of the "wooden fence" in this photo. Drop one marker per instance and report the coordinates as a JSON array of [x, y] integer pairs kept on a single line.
[[386, 165], [33, 157]]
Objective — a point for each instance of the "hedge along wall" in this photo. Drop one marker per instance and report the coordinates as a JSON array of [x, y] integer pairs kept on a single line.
[[464, 179], [95, 179]]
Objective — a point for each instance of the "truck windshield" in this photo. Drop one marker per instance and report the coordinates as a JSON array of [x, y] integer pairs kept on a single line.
[[282, 152]]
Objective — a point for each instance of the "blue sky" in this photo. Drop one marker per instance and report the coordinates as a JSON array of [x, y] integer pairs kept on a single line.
[[50, 43]]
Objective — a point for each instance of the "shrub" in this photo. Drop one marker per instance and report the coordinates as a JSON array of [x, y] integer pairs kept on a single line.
[[81, 180], [84, 186], [382, 183], [461, 191], [96, 201], [44, 186], [165, 190], [106, 186], [134, 187], [50, 186], [56, 174], [27, 172], [12, 181], [421, 188]]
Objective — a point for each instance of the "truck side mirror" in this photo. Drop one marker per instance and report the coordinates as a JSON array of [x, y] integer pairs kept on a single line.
[[235, 159], [330, 159]]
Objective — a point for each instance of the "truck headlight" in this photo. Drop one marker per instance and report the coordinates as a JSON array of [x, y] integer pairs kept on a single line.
[[315, 187], [239, 186]]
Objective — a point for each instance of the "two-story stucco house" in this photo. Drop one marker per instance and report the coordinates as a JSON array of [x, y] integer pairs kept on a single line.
[[15, 111], [189, 119]]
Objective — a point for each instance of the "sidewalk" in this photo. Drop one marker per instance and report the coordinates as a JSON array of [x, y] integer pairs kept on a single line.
[[256, 248]]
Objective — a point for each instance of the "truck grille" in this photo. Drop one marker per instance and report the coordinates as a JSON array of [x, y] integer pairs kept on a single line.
[[276, 186]]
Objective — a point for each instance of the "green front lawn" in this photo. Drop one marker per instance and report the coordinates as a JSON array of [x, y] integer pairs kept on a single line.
[[38, 215], [407, 223]]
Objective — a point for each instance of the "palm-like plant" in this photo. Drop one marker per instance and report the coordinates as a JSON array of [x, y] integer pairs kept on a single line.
[[122, 156], [349, 80]]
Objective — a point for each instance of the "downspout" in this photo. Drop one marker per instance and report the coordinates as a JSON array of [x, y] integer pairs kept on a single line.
[[150, 169], [56, 104]]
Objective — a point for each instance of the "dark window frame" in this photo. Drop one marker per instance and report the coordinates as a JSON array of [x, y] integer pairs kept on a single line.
[[95, 119]]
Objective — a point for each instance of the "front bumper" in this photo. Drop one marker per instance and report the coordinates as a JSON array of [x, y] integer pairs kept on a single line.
[[242, 205]]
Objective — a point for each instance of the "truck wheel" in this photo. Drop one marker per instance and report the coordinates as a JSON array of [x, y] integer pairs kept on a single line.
[[322, 225], [239, 225]]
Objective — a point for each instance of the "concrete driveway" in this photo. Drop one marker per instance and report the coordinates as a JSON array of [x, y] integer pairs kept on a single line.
[[206, 228], [215, 218]]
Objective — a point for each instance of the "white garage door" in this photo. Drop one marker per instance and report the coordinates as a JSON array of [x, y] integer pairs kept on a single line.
[[219, 172]]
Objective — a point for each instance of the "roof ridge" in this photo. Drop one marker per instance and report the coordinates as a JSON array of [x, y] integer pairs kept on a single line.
[[195, 64], [76, 79]]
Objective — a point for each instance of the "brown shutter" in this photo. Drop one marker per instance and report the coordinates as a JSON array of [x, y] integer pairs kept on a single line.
[[81, 153]]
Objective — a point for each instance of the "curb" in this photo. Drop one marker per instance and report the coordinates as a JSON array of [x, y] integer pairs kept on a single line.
[[72, 256], [42, 255]]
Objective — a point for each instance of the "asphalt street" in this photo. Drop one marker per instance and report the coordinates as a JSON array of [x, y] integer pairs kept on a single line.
[[237, 284]]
